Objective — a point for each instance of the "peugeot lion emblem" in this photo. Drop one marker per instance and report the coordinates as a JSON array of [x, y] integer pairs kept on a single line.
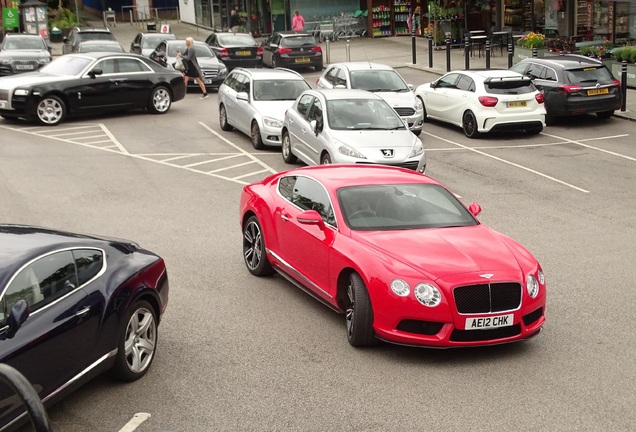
[[387, 153], [486, 275]]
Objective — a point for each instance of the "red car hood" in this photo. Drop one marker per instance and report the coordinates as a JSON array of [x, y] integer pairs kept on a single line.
[[444, 252]]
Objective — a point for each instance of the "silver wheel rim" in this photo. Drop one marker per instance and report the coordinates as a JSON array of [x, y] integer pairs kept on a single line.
[[50, 111], [286, 146], [252, 245], [223, 116], [141, 339], [161, 100], [255, 134], [350, 310]]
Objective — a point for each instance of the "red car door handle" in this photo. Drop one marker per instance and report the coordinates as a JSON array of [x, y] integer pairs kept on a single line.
[[284, 217]]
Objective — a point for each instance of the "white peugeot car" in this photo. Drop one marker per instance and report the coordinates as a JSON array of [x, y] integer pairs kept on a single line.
[[380, 79], [254, 101], [484, 101], [349, 127]]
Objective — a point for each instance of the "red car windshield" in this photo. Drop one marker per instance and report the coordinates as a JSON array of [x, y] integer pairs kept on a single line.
[[402, 207]]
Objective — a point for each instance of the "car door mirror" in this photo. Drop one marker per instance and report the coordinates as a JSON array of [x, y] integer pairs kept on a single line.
[[17, 316], [411, 87], [474, 209], [433, 84], [95, 72], [315, 126], [136, 47], [310, 217], [242, 96]]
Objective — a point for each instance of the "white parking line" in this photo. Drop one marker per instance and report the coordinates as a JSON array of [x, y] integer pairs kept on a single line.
[[250, 174], [580, 142], [515, 146], [45, 128], [135, 422], [181, 156], [509, 163], [213, 160], [249, 155], [90, 137], [230, 167], [69, 133]]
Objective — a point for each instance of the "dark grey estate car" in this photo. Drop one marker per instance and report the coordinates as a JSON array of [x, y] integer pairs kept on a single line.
[[79, 34], [23, 53], [573, 85]]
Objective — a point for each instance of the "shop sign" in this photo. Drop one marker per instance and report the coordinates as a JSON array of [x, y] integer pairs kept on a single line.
[[10, 18]]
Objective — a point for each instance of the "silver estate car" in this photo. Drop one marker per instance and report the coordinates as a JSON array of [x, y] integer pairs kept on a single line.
[[348, 126], [380, 79], [254, 101]]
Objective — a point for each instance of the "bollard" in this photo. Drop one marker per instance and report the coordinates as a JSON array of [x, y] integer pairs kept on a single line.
[[467, 53], [487, 54], [624, 85], [448, 61], [348, 50], [131, 19], [510, 55], [430, 52], [535, 54], [413, 50], [327, 52]]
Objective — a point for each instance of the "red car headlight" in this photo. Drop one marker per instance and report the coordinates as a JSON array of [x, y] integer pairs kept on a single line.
[[532, 286], [400, 287], [427, 294]]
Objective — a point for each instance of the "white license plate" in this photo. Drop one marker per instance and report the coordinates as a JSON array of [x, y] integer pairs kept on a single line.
[[23, 67], [517, 104], [208, 81], [3, 104], [489, 322]]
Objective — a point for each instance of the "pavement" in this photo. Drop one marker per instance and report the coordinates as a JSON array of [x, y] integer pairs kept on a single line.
[[395, 51]]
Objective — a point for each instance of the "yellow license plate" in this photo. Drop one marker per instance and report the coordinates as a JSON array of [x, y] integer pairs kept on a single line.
[[597, 91], [243, 53], [303, 60], [522, 104]]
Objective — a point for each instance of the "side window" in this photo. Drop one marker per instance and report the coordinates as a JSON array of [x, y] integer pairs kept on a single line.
[[303, 104], [229, 81], [241, 83], [42, 282], [130, 65], [89, 263], [465, 83], [161, 47], [286, 187], [315, 113], [138, 39], [519, 67], [330, 76], [549, 74], [341, 78], [447, 81], [308, 194], [107, 66], [535, 71]]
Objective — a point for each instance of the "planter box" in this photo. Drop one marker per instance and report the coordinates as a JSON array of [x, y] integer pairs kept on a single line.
[[523, 53], [631, 72]]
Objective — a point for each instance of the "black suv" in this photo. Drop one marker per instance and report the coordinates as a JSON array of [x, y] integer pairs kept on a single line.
[[78, 34], [291, 50], [572, 85]]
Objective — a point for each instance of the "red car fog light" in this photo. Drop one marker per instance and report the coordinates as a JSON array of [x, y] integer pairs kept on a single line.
[[427, 294]]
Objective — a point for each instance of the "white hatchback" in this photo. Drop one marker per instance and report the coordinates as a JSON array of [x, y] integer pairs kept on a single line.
[[484, 101]]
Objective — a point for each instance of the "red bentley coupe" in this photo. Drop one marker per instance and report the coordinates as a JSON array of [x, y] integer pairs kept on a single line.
[[396, 252]]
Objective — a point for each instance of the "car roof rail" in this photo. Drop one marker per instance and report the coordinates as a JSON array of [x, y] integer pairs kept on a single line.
[[290, 70]]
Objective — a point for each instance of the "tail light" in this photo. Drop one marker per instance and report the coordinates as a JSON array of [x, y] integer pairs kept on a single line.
[[317, 79], [569, 89], [224, 53], [488, 101], [316, 49], [616, 83], [259, 52], [540, 98], [284, 50]]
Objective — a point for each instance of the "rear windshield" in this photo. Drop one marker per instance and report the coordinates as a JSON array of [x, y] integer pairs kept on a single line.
[[297, 41], [97, 36], [237, 40], [593, 74], [270, 90], [510, 87]]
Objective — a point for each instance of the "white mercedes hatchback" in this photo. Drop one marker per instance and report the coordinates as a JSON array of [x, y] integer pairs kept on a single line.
[[484, 100]]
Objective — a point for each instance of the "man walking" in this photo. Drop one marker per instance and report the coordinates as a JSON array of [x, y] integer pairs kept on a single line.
[[235, 21]]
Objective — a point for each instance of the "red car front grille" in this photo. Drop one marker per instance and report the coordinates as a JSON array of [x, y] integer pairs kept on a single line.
[[486, 298]]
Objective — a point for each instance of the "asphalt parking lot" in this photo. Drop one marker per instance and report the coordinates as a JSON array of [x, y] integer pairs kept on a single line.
[[239, 353]]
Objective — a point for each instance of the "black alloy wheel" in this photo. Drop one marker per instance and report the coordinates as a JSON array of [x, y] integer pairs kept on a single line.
[[254, 249], [359, 313]]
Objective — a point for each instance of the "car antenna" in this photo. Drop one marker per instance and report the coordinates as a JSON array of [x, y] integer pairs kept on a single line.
[[368, 61]]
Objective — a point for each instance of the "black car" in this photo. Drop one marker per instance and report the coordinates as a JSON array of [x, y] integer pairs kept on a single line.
[[23, 53], [145, 43], [236, 49], [78, 34], [573, 85], [214, 70], [77, 84], [292, 50], [74, 306]]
